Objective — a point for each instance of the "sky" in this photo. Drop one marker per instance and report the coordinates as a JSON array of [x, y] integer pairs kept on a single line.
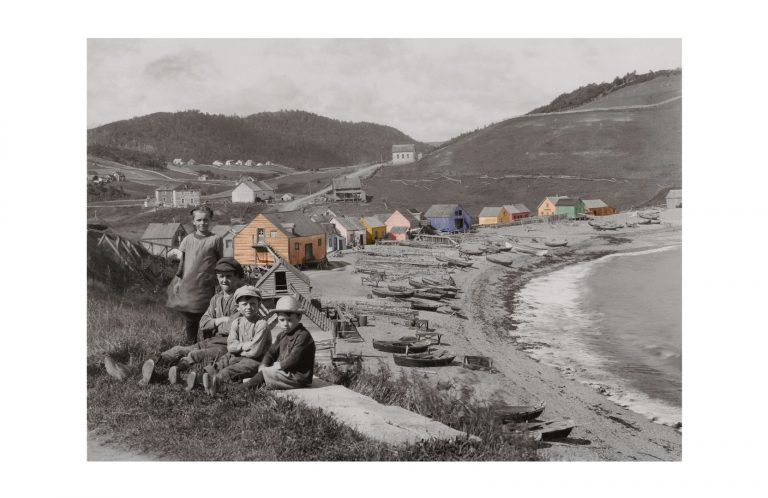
[[430, 89]]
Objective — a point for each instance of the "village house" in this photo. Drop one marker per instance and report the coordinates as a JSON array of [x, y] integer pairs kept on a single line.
[[346, 189], [179, 196], [352, 231], [597, 207], [282, 279], [227, 234], [252, 191], [191, 162], [290, 235], [178, 162], [448, 217], [286, 197], [493, 215], [403, 154], [238, 163], [203, 177], [118, 176], [516, 212], [675, 199], [375, 229], [229, 162], [218, 164], [569, 206], [333, 239], [547, 206], [159, 238], [249, 162], [400, 223]]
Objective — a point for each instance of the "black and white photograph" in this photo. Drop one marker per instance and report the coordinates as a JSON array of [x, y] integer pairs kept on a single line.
[[403, 249], [392, 249]]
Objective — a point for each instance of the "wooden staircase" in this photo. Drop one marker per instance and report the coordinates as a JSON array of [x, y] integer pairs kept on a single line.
[[313, 313]]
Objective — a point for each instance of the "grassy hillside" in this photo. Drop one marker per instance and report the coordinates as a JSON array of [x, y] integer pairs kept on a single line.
[[292, 138], [624, 157]]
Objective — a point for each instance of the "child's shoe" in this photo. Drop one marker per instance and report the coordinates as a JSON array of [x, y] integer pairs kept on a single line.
[[207, 382], [173, 375], [191, 380], [215, 385], [146, 372]]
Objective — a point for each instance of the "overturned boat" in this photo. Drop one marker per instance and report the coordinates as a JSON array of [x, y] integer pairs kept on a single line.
[[437, 358]]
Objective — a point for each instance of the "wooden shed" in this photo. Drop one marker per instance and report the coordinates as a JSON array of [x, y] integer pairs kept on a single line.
[[279, 280], [674, 199], [597, 207], [291, 235], [493, 215], [159, 238]]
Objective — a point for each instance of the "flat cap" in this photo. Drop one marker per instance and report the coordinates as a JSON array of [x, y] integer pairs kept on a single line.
[[247, 291], [230, 264]]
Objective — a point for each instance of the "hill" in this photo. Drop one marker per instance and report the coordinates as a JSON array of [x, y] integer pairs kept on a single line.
[[624, 156], [293, 138]]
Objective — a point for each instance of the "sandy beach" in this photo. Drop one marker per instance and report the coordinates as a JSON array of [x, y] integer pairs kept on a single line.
[[605, 430]]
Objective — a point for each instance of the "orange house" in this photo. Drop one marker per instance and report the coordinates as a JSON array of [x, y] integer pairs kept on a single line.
[[291, 235]]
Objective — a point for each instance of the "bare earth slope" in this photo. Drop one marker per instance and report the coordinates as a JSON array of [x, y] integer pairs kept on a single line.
[[623, 156]]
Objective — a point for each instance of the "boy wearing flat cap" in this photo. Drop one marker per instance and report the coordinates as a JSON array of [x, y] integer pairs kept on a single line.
[[248, 340], [214, 326], [290, 361]]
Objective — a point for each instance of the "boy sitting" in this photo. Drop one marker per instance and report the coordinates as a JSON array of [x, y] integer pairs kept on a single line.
[[214, 325], [290, 362], [249, 338]]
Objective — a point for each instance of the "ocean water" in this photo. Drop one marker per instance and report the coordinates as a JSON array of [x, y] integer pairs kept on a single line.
[[614, 323]]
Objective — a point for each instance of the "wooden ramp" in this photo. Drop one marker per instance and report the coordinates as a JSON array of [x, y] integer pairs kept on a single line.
[[389, 424]]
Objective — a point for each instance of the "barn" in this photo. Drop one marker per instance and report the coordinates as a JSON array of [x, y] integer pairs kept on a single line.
[[675, 199], [159, 238], [449, 217], [597, 207]]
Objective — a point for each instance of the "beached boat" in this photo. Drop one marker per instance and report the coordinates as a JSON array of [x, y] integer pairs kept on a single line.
[[605, 225], [423, 304], [649, 215], [390, 293], [437, 358], [416, 284], [401, 346], [477, 363], [517, 413], [546, 429], [453, 261], [427, 294], [491, 249], [471, 250], [555, 242], [502, 259], [531, 251]]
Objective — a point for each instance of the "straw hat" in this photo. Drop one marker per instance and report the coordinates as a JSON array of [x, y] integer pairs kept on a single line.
[[288, 304]]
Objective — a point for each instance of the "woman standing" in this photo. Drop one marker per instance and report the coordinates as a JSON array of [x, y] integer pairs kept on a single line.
[[195, 282]]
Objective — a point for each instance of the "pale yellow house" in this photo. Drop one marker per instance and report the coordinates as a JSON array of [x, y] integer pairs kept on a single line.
[[493, 215], [375, 229]]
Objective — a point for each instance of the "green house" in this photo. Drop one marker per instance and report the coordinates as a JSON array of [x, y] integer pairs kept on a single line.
[[569, 206]]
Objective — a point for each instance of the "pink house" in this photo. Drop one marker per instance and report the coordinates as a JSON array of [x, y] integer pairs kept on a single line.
[[352, 231], [399, 223]]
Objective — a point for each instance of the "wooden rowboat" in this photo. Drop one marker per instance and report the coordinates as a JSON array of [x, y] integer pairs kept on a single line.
[[546, 429], [423, 304], [649, 215], [518, 413], [432, 359], [416, 284], [501, 259], [389, 293], [400, 346], [438, 283], [399, 288], [471, 251], [477, 363], [454, 261], [556, 243], [427, 294]]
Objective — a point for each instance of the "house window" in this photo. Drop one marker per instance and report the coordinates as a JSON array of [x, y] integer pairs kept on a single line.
[[273, 234], [296, 247], [319, 242], [229, 244]]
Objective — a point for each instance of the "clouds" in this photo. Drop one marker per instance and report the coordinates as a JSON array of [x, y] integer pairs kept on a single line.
[[431, 89]]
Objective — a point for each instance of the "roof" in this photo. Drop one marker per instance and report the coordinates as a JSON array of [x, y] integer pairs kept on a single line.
[[383, 216], [408, 215], [373, 221], [256, 186], [441, 210], [552, 198], [165, 187], [344, 182], [399, 230], [288, 267], [349, 223], [675, 193], [226, 230], [404, 148], [567, 201], [594, 203], [302, 226], [490, 211], [516, 208], [161, 231], [330, 228]]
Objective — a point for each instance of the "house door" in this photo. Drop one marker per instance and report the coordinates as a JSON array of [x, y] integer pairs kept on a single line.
[[281, 284], [362, 239], [259, 236], [459, 223], [308, 252]]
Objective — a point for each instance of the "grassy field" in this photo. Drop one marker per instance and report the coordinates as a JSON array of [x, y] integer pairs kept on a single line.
[[174, 424]]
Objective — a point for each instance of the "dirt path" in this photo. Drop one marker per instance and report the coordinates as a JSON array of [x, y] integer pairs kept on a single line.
[[363, 172]]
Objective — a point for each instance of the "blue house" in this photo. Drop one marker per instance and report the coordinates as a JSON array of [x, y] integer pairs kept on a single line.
[[448, 217]]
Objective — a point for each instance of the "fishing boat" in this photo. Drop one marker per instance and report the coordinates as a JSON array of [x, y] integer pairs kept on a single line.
[[491, 249], [416, 284], [390, 293], [556, 243], [423, 304], [546, 429], [402, 347], [477, 363], [531, 251], [607, 225], [399, 288], [649, 214], [437, 358], [471, 250], [427, 294], [501, 259], [453, 261], [517, 413]]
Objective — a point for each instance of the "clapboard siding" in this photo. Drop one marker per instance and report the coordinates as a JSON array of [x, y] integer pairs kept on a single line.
[[282, 244]]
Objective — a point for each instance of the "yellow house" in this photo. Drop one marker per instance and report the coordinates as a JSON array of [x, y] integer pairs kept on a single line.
[[547, 206], [493, 215], [375, 229]]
